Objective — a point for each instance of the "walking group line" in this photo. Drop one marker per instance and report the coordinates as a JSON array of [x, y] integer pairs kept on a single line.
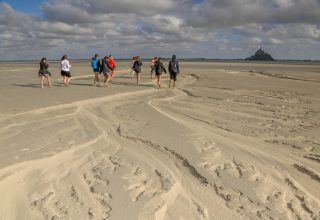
[[106, 67]]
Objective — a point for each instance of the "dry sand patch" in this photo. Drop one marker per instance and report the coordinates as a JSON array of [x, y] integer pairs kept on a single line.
[[230, 142]]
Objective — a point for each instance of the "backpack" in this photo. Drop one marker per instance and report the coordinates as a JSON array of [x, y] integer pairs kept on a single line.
[[95, 63], [158, 68], [136, 66], [110, 65], [103, 66], [173, 66]]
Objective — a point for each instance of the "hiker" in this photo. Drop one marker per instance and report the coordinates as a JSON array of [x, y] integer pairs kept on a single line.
[[159, 68], [112, 66], [174, 70], [95, 64], [43, 72], [132, 66], [153, 62], [105, 70], [65, 70], [137, 68]]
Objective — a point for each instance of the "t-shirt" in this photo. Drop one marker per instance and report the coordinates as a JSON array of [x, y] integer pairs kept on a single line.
[[65, 65]]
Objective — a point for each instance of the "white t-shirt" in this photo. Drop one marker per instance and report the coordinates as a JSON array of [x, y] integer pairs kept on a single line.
[[65, 65]]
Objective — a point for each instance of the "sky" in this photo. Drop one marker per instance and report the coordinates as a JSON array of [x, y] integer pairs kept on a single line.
[[216, 29]]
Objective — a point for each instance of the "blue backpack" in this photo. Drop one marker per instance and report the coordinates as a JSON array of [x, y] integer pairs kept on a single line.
[[95, 64]]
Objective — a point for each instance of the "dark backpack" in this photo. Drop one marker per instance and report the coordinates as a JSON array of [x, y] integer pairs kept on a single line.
[[104, 66], [158, 67], [173, 66], [137, 66], [101, 65]]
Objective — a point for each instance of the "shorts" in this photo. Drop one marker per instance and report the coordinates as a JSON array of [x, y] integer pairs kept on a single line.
[[46, 74], [173, 75], [137, 72], [106, 74], [65, 73], [96, 71], [158, 74]]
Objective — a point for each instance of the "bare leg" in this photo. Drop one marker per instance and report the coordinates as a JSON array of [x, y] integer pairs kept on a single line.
[[106, 79], [158, 80], [138, 78], [157, 77], [96, 78], [67, 80], [41, 80], [112, 74], [49, 81]]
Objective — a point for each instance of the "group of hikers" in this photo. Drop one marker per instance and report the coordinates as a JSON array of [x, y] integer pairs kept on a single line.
[[45, 73], [107, 66], [158, 68]]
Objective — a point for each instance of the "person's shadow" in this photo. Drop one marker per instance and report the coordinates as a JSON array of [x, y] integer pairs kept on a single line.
[[33, 85], [36, 85], [130, 84]]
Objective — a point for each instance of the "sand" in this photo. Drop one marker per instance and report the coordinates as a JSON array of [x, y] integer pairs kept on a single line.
[[234, 140]]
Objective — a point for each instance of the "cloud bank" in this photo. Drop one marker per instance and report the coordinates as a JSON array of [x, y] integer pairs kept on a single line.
[[288, 29]]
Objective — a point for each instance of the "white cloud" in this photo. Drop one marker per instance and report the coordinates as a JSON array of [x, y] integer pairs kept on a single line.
[[213, 28], [217, 13], [128, 6], [276, 41]]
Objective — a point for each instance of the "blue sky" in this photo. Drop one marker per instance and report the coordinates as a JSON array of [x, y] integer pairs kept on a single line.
[[232, 29], [28, 6]]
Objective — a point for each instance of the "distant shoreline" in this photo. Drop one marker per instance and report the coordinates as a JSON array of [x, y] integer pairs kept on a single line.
[[181, 59]]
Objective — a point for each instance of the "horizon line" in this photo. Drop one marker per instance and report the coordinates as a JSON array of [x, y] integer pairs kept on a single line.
[[168, 58]]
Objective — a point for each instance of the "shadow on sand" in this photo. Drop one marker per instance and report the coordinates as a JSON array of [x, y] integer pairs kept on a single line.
[[36, 85], [73, 83], [130, 84]]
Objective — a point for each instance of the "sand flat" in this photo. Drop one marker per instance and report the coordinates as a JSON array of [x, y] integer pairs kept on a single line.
[[234, 140]]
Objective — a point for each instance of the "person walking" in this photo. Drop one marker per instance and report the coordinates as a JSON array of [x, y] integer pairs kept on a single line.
[[153, 62], [105, 70], [174, 70], [44, 72], [95, 64], [112, 66], [133, 73], [137, 68], [65, 69], [159, 69]]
